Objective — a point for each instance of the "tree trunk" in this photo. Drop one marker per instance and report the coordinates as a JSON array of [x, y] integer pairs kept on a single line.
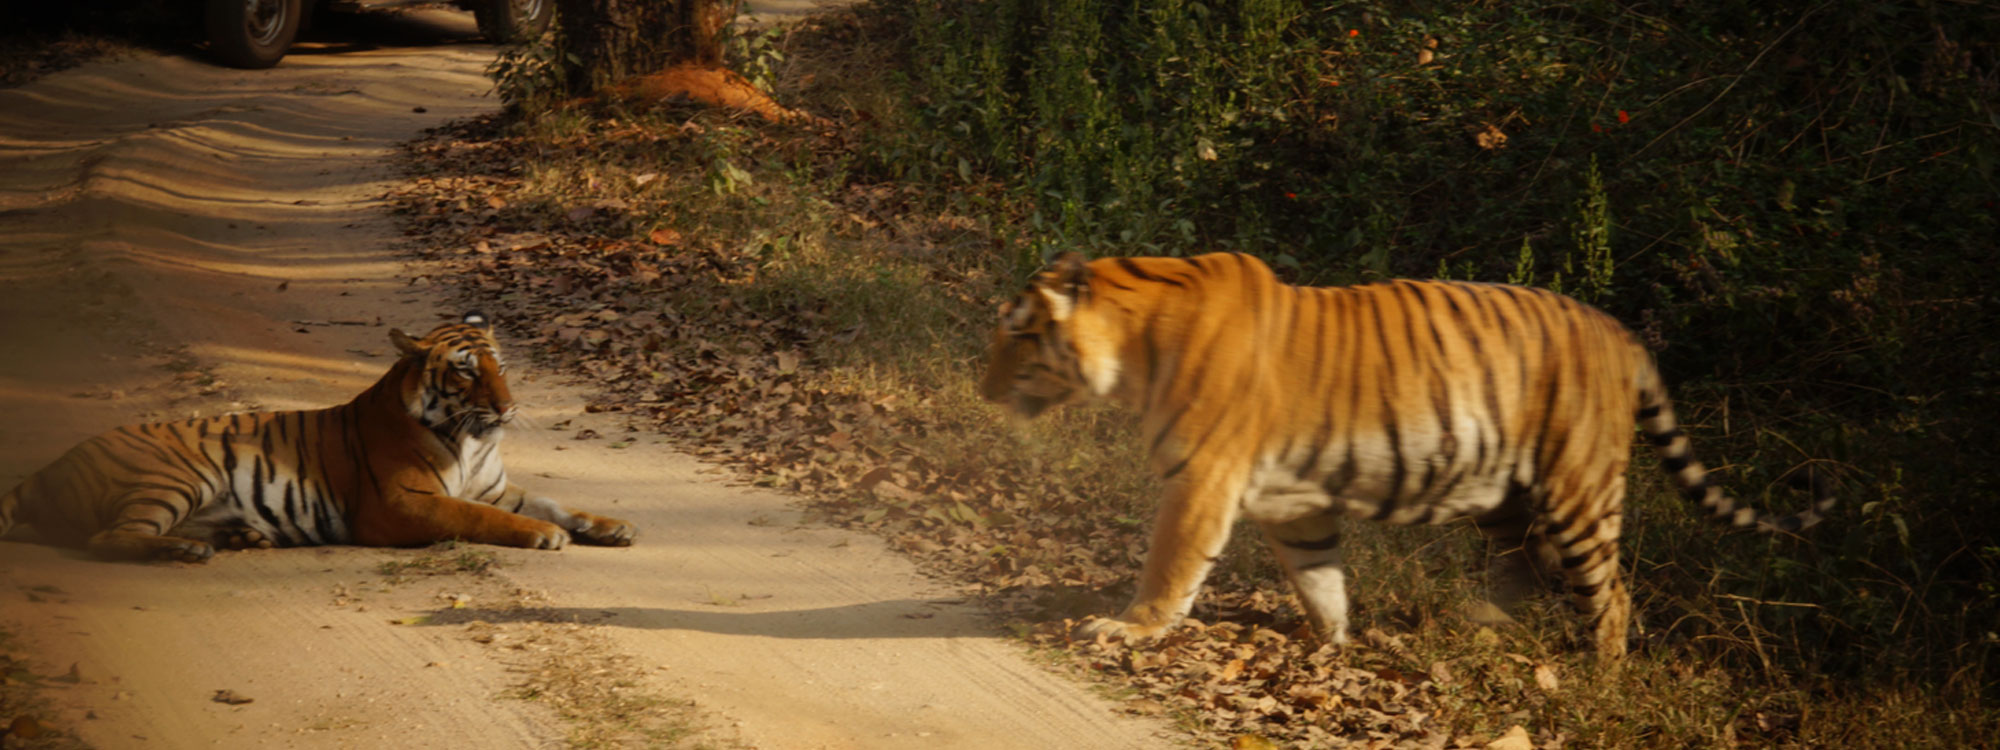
[[605, 41], [697, 36]]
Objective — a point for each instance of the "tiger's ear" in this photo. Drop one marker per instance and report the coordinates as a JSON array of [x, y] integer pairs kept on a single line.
[[479, 319], [1064, 285], [1072, 275], [1016, 314], [404, 343]]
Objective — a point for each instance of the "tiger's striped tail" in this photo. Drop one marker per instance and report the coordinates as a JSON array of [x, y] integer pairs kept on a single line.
[[1656, 419]]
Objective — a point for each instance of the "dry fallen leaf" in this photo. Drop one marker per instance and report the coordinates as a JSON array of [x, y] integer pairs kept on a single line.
[[1545, 676], [895, 493], [1516, 738], [25, 727], [1230, 671], [1441, 673]]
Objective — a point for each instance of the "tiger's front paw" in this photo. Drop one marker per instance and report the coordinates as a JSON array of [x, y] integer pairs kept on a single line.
[[175, 549], [543, 535], [242, 538], [115, 544], [1132, 632], [603, 531]]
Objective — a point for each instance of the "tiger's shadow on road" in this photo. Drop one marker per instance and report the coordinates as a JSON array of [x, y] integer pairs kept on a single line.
[[895, 618], [900, 618]]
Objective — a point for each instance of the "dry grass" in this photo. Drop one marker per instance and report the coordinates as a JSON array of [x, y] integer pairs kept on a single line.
[[604, 698], [601, 695], [443, 558]]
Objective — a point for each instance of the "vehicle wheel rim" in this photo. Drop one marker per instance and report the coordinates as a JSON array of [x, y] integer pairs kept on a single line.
[[265, 19]]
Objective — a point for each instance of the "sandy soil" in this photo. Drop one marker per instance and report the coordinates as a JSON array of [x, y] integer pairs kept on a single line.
[[178, 238]]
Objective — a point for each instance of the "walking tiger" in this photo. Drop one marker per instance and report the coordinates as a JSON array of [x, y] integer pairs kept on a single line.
[[1403, 401]]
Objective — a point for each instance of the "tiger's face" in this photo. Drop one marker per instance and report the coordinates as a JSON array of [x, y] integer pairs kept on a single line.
[[1032, 362], [462, 388]]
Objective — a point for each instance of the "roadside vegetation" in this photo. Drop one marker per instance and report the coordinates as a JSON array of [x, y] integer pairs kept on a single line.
[[1794, 206]]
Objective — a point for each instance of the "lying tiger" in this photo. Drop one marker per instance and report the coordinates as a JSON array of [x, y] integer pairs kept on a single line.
[[1406, 401], [411, 461]]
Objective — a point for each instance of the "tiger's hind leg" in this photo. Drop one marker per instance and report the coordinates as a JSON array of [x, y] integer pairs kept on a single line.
[[1585, 532], [1309, 550], [138, 533], [1520, 562], [584, 527]]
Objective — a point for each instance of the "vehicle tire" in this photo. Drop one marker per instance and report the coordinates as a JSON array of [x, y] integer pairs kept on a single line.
[[251, 33], [513, 21]]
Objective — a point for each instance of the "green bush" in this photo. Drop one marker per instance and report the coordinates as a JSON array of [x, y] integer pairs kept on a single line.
[[1794, 205]]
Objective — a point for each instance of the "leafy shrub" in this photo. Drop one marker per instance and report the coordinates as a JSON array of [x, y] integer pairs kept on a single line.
[[529, 76]]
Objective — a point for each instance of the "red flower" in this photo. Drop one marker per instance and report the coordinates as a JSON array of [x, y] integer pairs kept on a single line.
[[1623, 118], [1354, 32], [1596, 128], [1291, 196]]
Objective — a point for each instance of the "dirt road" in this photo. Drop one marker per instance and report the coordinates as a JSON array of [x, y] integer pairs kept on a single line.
[[178, 238]]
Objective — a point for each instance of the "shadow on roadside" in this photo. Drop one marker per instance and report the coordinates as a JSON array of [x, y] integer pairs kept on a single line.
[[901, 618], [338, 33], [896, 618]]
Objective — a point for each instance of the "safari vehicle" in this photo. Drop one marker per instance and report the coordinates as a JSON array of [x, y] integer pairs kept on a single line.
[[256, 33]]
